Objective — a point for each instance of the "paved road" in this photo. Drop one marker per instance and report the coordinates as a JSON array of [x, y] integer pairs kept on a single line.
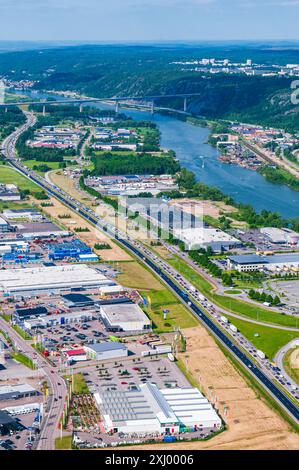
[[186, 297], [220, 310], [49, 426], [49, 429], [279, 359]]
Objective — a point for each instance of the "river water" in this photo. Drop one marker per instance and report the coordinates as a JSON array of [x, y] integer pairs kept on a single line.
[[189, 143]]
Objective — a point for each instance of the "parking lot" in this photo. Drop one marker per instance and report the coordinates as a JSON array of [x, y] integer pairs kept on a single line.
[[127, 373]]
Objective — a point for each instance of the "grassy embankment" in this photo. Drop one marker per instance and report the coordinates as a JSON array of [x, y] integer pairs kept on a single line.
[[291, 371], [134, 275]]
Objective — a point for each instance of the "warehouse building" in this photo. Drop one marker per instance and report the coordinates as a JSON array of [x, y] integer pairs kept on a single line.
[[106, 351], [149, 410], [279, 263], [58, 319], [9, 192], [77, 300], [4, 226], [29, 214], [50, 278], [280, 235], [14, 392], [41, 230], [200, 237], [125, 316], [22, 314]]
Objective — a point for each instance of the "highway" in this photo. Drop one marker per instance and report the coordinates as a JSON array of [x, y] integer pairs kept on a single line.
[[55, 405], [138, 250]]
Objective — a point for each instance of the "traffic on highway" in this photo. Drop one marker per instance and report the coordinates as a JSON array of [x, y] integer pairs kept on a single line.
[[268, 376]]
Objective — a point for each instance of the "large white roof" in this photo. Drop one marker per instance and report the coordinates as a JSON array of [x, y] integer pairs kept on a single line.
[[204, 235], [50, 277]]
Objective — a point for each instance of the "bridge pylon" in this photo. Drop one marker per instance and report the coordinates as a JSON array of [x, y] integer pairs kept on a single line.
[[81, 108], [152, 106], [185, 104], [116, 107], [44, 110]]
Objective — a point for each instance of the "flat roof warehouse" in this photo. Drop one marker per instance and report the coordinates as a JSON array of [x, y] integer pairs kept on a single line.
[[50, 278]]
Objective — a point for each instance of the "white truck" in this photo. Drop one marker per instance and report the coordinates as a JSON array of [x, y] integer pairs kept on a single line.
[[224, 319], [260, 354], [233, 328]]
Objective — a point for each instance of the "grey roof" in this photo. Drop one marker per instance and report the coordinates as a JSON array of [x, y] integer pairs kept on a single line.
[[270, 259], [102, 347]]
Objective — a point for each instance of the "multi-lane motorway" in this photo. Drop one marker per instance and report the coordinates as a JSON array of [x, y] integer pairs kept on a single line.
[[144, 255]]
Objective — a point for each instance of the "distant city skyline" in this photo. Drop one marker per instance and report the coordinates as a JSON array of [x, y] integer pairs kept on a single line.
[[149, 20]]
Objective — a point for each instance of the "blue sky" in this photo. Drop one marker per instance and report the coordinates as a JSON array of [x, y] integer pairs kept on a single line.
[[146, 20]]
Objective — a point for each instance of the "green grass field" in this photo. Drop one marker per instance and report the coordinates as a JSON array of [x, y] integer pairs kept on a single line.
[[23, 360], [63, 443], [270, 340], [80, 385], [177, 315], [31, 163], [233, 292], [10, 176], [229, 303]]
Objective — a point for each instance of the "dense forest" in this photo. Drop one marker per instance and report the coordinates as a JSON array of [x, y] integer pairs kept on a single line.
[[9, 120], [117, 164], [107, 71]]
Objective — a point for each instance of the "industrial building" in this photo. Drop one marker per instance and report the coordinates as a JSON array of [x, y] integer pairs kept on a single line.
[[280, 235], [71, 249], [22, 314], [41, 230], [149, 410], [201, 237], [50, 278], [278, 263], [106, 351], [9, 192], [14, 392], [125, 316], [29, 214], [58, 319], [77, 300], [4, 226]]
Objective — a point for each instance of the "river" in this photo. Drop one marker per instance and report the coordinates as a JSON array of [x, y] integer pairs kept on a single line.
[[189, 143]]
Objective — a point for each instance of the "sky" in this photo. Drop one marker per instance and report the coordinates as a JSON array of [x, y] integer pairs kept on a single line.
[[148, 20]]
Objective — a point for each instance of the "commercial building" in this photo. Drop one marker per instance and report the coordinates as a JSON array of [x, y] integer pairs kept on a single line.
[[125, 316], [106, 351], [201, 237], [4, 226], [50, 278], [69, 249], [14, 392], [29, 214], [41, 230], [77, 300], [278, 263], [150, 410], [76, 355], [280, 235], [9, 192], [22, 314], [58, 319]]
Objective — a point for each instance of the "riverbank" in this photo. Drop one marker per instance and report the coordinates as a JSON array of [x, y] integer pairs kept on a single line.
[[189, 141]]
